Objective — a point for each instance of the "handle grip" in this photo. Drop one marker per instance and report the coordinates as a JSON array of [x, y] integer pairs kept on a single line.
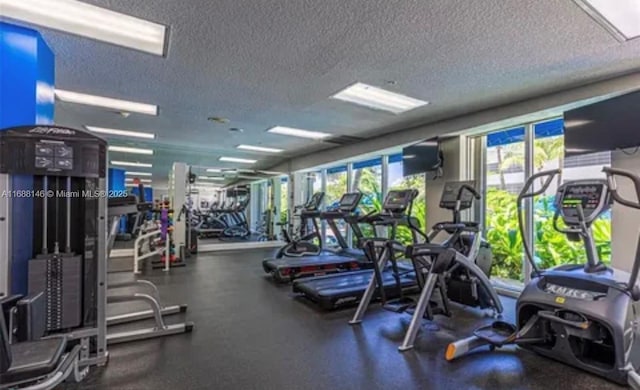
[[469, 188], [613, 188], [529, 183]]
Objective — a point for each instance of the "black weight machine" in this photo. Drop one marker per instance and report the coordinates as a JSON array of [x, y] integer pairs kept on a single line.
[[60, 326]]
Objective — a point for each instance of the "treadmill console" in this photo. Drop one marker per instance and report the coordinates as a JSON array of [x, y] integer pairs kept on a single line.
[[452, 190], [314, 203], [398, 201], [592, 195], [349, 202]]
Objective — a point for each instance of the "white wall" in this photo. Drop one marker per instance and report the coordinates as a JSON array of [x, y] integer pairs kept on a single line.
[[453, 151], [625, 221]]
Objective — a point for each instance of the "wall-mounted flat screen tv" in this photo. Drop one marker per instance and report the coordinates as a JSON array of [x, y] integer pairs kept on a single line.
[[608, 125], [422, 157]]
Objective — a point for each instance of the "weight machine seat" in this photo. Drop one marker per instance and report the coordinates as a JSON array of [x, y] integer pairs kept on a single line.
[[34, 359]]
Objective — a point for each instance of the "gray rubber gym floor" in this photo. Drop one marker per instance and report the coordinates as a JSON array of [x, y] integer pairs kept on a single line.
[[251, 334]]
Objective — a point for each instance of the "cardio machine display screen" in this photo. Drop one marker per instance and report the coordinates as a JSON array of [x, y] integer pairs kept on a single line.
[[588, 196], [350, 201], [397, 200]]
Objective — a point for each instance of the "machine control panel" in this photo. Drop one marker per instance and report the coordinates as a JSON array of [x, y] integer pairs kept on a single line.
[[591, 195], [450, 195], [52, 151], [398, 201], [314, 203], [349, 202]]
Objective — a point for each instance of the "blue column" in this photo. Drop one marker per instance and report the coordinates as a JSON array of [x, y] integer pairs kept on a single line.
[[116, 183], [26, 97]]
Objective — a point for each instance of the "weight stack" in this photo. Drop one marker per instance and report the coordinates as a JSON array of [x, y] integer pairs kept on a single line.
[[59, 277]]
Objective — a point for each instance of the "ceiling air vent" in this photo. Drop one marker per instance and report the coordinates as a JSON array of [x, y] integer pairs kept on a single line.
[[342, 140]]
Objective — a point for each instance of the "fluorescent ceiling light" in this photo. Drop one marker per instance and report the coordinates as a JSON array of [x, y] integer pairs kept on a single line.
[[105, 102], [260, 149], [282, 130], [131, 164], [214, 170], [79, 18], [210, 178], [620, 17], [237, 160], [126, 149], [146, 181], [128, 173], [123, 133], [378, 98]]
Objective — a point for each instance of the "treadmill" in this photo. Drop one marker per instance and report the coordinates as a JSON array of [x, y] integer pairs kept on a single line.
[[287, 269], [335, 291]]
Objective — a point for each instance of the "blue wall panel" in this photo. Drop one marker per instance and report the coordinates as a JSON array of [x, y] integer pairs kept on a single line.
[[26, 97]]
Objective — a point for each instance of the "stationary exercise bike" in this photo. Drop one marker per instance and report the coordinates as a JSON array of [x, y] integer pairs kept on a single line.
[[302, 242], [584, 315]]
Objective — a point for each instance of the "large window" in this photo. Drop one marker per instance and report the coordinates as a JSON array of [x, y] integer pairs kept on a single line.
[[336, 186], [396, 181], [284, 199], [505, 175], [367, 178]]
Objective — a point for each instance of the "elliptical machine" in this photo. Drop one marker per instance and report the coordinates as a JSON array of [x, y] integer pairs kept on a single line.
[[458, 268], [584, 315], [302, 242]]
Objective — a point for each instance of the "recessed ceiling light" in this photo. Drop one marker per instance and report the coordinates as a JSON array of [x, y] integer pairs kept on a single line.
[[620, 17], [131, 164], [236, 130], [141, 180], [125, 149], [260, 149], [282, 130], [105, 102], [214, 170], [122, 133], [79, 18], [238, 160], [128, 173], [378, 98], [210, 178]]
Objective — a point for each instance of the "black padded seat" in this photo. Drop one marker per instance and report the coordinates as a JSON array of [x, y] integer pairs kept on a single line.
[[34, 359]]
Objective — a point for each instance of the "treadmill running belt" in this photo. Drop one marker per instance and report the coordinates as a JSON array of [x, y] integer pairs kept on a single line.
[[290, 268], [333, 291]]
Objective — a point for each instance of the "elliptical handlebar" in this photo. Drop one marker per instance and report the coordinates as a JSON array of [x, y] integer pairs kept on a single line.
[[524, 193], [469, 188], [611, 173], [528, 192], [613, 188]]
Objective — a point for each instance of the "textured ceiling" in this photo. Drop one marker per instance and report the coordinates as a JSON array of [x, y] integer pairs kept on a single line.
[[275, 62]]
